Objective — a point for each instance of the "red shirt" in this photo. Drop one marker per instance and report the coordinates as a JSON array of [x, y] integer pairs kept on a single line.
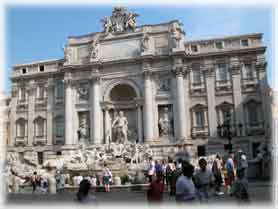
[[155, 192]]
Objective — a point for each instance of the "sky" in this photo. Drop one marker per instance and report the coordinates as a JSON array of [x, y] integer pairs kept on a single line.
[[35, 33]]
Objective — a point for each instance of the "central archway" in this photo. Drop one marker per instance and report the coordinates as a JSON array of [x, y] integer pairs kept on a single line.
[[122, 92], [122, 96]]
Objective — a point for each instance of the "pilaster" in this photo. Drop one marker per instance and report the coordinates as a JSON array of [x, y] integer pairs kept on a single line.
[[31, 111]]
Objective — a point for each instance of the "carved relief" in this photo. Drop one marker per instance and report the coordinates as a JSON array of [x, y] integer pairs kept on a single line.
[[83, 92], [164, 84]]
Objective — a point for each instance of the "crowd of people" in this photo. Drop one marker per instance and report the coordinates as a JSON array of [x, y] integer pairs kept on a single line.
[[197, 184], [188, 183]]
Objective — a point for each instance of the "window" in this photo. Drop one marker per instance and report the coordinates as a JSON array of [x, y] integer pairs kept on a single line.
[[40, 158], [59, 129], [21, 123], [39, 127], [219, 45], [41, 68], [24, 70], [21, 94], [197, 76], [194, 48], [40, 92], [58, 153], [59, 89], [200, 118], [201, 150], [222, 72], [244, 42], [248, 70], [253, 114]]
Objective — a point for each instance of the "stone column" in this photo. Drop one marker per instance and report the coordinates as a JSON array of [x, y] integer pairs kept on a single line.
[[139, 124], [107, 128], [212, 117], [180, 100], [265, 116], [148, 105], [237, 96], [68, 110], [96, 108], [187, 103], [31, 112], [49, 125], [12, 117]]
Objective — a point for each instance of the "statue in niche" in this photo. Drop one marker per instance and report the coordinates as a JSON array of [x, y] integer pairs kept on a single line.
[[120, 127], [94, 52], [176, 35], [165, 123], [83, 130], [83, 92], [145, 43]]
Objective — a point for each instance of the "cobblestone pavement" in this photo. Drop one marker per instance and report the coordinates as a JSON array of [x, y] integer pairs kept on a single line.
[[260, 192]]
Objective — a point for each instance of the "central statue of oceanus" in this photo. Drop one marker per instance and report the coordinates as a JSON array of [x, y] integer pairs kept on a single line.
[[120, 128]]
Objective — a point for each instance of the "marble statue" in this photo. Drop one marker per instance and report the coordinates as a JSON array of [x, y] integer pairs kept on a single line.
[[176, 35], [165, 123], [120, 126], [67, 53], [95, 49], [145, 44], [120, 21], [83, 130], [107, 25], [131, 21]]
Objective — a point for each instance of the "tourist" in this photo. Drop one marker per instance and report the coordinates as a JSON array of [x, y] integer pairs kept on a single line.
[[151, 169], [169, 172], [239, 187], [79, 178], [93, 182], [216, 170], [83, 195], [34, 181], [60, 182], [185, 189], [173, 180], [155, 192], [204, 180], [164, 166], [242, 164], [44, 185], [158, 167], [106, 178], [179, 166], [230, 168]]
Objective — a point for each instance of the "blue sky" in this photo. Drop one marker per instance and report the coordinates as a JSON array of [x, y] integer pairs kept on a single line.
[[38, 32]]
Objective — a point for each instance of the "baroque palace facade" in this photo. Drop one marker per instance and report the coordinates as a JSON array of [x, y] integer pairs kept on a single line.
[[141, 84]]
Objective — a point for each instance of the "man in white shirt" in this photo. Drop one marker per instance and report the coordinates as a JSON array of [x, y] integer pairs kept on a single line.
[[204, 180], [185, 189]]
